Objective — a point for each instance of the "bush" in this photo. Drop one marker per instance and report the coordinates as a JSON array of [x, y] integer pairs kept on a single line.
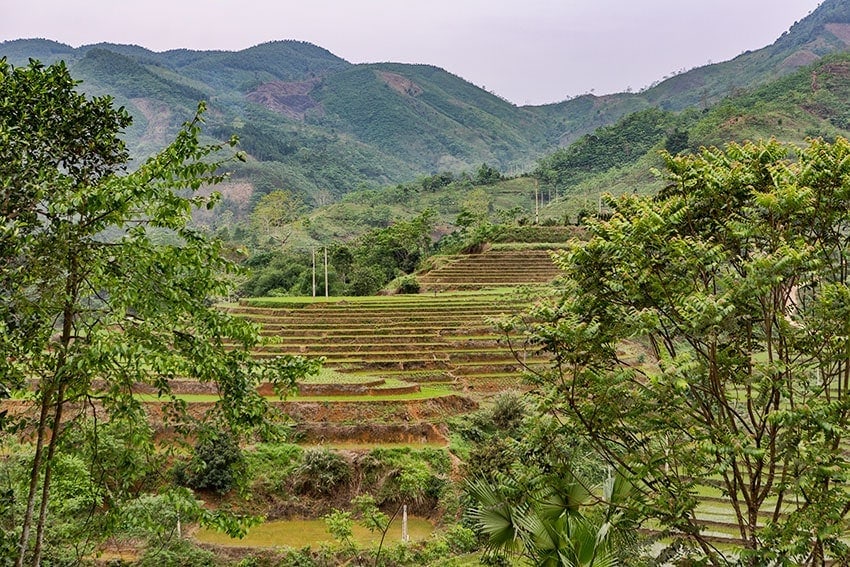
[[179, 553], [270, 465], [322, 471], [409, 285], [218, 463], [508, 411]]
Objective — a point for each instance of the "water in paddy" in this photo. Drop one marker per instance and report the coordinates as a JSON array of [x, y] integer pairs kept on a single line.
[[298, 533]]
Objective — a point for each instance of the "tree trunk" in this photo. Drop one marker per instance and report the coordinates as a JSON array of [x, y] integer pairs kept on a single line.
[[34, 474], [48, 468]]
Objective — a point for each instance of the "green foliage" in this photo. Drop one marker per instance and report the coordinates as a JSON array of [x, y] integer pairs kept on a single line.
[[277, 273], [490, 436], [217, 463], [408, 285], [272, 213], [554, 523], [607, 147], [341, 526], [322, 471], [105, 286], [487, 175], [508, 411], [405, 475], [735, 279], [128, 77], [366, 280], [178, 553], [271, 465]]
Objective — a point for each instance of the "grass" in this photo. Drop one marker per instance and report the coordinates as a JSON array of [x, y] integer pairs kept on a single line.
[[300, 533], [426, 392], [330, 376], [514, 246], [299, 301]]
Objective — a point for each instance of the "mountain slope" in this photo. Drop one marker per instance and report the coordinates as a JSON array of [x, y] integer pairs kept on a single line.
[[826, 30], [813, 101], [320, 126]]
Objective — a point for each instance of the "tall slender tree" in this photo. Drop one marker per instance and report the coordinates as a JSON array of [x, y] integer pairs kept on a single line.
[[105, 283]]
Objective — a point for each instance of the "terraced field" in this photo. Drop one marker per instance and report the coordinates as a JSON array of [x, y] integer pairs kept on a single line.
[[494, 268], [401, 343]]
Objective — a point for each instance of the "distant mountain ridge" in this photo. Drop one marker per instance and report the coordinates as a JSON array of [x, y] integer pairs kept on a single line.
[[320, 126]]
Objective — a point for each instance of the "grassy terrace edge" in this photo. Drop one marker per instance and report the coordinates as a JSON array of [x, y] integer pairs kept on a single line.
[[295, 302]]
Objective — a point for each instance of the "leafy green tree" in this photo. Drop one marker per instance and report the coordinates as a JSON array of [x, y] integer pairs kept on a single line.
[[373, 519], [384, 253], [217, 463], [105, 285], [273, 214], [487, 175], [703, 339], [342, 259], [341, 527]]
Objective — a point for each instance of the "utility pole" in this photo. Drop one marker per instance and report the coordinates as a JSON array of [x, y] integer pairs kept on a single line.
[[313, 250], [405, 537], [326, 271], [536, 203]]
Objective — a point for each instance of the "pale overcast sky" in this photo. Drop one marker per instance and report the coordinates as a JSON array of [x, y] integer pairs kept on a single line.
[[528, 51]]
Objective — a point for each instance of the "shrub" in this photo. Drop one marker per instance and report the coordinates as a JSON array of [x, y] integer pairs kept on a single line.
[[409, 285], [322, 471], [508, 411], [179, 553], [366, 281], [270, 465], [218, 463]]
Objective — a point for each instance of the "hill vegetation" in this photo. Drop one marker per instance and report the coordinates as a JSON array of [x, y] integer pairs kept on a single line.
[[320, 127]]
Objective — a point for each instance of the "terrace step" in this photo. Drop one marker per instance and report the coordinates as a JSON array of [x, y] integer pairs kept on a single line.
[[491, 268]]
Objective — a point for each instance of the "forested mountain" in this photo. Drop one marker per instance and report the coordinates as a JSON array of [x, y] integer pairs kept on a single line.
[[320, 127], [812, 102], [826, 30]]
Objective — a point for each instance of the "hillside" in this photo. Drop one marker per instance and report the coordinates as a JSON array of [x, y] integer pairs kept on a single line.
[[826, 30], [813, 101], [618, 158], [320, 127], [312, 122]]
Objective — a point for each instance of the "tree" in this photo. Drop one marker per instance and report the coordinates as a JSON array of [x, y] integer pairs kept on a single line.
[[273, 213], [105, 285], [487, 175], [702, 340], [391, 251]]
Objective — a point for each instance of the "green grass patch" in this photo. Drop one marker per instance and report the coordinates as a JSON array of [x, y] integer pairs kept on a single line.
[[330, 376], [509, 246], [299, 302], [426, 392]]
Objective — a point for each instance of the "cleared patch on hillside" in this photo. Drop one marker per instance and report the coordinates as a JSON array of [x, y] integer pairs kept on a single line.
[[292, 100], [159, 117], [400, 84], [841, 31], [799, 59]]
